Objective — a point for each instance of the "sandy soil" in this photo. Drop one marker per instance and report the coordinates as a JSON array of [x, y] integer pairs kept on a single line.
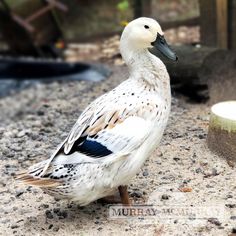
[[182, 173]]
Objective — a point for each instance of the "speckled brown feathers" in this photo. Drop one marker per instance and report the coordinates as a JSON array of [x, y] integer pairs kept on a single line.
[[40, 182]]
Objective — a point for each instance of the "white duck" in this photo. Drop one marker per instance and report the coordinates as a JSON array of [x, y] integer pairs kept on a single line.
[[117, 132]]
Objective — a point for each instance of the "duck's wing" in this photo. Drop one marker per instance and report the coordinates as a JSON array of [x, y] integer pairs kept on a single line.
[[103, 132]]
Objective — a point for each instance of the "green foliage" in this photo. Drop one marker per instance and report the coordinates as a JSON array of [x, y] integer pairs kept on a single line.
[[123, 5]]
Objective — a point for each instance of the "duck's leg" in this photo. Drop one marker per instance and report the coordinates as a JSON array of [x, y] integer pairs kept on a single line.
[[121, 197], [124, 195]]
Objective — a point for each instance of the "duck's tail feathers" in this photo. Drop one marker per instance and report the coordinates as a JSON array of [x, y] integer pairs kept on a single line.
[[37, 181], [34, 177]]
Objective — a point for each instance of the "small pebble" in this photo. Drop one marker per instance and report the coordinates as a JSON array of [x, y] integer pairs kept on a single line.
[[56, 228], [40, 113], [14, 226], [230, 205], [164, 197], [50, 226], [49, 214], [21, 134], [19, 192], [198, 170], [32, 219], [214, 221], [145, 173], [137, 194]]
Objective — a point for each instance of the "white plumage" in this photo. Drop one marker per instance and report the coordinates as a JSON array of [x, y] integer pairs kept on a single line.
[[117, 132]]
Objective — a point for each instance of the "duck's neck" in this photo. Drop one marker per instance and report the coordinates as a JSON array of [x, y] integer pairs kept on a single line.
[[145, 66]]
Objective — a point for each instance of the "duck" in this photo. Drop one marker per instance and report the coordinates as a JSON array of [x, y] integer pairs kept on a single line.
[[118, 131]]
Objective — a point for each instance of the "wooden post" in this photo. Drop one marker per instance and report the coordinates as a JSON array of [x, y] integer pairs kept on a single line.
[[214, 23], [142, 8], [232, 24], [208, 22], [222, 23]]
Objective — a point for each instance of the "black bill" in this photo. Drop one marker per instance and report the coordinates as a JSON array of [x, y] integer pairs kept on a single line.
[[161, 45]]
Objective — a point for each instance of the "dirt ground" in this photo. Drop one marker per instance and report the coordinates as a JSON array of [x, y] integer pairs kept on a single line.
[[181, 174]]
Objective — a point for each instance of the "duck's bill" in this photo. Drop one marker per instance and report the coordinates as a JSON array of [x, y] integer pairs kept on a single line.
[[161, 45]]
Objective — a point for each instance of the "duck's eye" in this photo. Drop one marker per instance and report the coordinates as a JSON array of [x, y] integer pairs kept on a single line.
[[146, 26]]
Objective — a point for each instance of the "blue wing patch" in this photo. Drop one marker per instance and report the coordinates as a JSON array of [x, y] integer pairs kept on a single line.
[[93, 148]]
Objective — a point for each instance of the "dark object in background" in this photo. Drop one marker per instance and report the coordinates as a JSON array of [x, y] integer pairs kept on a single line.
[[203, 73], [219, 72], [16, 73], [184, 74], [34, 34], [18, 40], [21, 69], [218, 23]]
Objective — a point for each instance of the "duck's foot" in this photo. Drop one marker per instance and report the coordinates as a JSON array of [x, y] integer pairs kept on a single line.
[[121, 197]]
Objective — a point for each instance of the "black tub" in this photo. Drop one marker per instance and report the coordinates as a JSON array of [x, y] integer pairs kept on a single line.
[[22, 69], [18, 73]]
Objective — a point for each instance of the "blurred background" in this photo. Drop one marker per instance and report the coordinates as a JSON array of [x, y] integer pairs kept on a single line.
[[56, 56], [48, 40]]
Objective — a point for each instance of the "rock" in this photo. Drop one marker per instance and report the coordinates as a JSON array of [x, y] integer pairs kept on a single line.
[[19, 192], [202, 136], [214, 221], [145, 173], [56, 210], [61, 214], [44, 206], [32, 219], [198, 170], [16, 148], [230, 205], [35, 136], [165, 197], [136, 194], [49, 214], [233, 217], [56, 228], [40, 113], [10, 169], [50, 226], [185, 189], [8, 153], [21, 134], [14, 226]]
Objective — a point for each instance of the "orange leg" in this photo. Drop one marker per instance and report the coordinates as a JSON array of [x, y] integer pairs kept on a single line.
[[124, 195]]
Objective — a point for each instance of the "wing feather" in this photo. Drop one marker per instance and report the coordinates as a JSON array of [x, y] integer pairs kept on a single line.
[[117, 127]]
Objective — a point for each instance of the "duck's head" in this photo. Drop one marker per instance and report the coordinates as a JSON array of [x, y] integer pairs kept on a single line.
[[144, 33]]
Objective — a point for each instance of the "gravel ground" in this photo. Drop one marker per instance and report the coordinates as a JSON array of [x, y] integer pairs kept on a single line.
[[181, 173]]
